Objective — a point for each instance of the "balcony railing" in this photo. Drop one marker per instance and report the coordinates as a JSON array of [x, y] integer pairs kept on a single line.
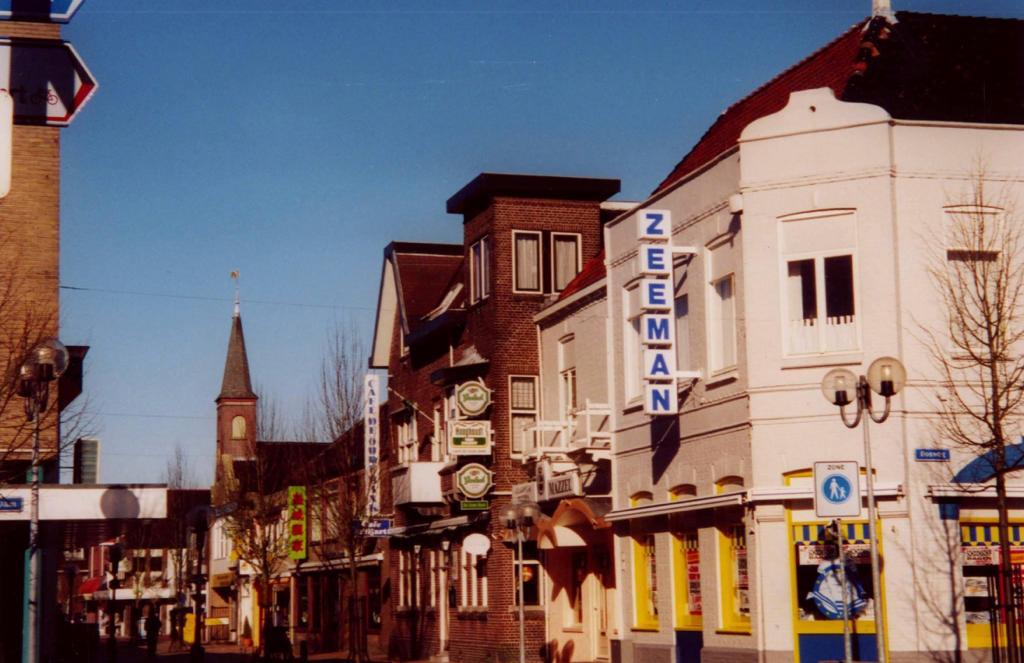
[[807, 335], [588, 430]]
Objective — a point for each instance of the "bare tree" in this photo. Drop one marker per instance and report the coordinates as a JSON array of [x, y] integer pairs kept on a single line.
[[179, 474], [979, 277], [337, 494]]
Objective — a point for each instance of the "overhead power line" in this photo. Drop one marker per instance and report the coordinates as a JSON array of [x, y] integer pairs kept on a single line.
[[206, 298]]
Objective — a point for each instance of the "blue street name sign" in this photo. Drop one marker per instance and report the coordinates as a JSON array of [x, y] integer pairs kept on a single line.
[[60, 11], [937, 455], [11, 504]]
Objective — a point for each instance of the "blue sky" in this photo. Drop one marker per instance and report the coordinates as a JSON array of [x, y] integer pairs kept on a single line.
[[293, 140]]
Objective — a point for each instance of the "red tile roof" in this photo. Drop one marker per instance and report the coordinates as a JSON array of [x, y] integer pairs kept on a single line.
[[829, 67], [923, 67], [592, 272]]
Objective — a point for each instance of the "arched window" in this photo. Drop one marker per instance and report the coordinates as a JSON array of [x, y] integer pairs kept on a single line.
[[238, 428]]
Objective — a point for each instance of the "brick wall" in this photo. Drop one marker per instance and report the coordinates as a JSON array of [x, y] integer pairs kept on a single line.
[[502, 329]]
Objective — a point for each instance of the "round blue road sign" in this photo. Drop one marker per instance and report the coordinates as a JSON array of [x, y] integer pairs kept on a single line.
[[836, 488]]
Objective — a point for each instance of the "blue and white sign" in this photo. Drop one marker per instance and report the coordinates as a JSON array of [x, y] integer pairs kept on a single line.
[[656, 329], [931, 455], [661, 398], [60, 11], [12, 504], [654, 224], [836, 489], [659, 364]]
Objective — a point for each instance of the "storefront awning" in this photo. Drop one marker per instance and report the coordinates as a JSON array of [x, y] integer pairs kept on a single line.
[[570, 524], [437, 526], [768, 494]]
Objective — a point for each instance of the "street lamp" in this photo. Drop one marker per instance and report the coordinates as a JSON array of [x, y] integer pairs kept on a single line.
[[886, 377], [198, 522], [518, 519], [44, 363]]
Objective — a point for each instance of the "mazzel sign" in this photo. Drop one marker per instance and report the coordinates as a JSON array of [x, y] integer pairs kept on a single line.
[[657, 321]]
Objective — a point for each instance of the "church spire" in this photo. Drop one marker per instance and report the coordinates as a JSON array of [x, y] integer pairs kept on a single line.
[[236, 382]]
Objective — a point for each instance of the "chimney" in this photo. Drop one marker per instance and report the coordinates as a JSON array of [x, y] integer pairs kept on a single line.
[[883, 8]]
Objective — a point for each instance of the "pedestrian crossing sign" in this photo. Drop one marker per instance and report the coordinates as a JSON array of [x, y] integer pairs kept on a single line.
[[837, 489]]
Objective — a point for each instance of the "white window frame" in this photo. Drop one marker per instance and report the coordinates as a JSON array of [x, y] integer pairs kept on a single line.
[[821, 303], [684, 350], [540, 262], [568, 393], [406, 437], [716, 342], [473, 587], [513, 411], [632, 350], [552, 262], [480, 271]]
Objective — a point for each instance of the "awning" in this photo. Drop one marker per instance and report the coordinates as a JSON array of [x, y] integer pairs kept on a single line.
[[571, 523], [680, 506], [769, 494], [438, 526]]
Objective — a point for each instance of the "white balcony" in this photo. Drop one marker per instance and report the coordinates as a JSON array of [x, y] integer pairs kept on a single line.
[[417, 483], [587, 431], [808, 335]]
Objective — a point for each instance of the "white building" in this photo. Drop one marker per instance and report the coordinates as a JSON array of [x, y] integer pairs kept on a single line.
[[804, 224]]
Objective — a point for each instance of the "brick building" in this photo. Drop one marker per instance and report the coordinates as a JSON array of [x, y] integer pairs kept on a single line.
[[452, 317], [29, 308]]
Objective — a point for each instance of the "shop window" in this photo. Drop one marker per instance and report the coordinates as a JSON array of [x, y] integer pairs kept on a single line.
[[645, 574], [472, 580], [480, 270], [819, 591], [822, 316], [734, 579], [407, 591], [979, 560], [522, 411], [688, 614], [238, 428], [529, 566]]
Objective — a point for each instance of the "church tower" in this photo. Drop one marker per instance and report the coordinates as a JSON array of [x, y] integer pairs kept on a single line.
[[236, 404]]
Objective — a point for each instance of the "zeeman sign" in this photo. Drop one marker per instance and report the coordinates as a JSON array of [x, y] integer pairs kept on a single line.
[[657, 328]]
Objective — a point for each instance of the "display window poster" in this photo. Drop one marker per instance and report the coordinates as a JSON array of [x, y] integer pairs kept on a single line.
[[693, 597]]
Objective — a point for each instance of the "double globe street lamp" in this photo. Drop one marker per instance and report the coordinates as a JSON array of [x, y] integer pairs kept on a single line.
[[44, 363], [519, 519], [886, 377]]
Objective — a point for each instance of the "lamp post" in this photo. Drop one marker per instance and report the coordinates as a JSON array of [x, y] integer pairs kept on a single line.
[[198, 522], [44, 363], [518, 519], [886, 377]]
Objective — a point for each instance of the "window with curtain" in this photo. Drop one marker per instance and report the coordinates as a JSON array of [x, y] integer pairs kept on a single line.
[[527, 261], [566, 259], [723, 321]]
